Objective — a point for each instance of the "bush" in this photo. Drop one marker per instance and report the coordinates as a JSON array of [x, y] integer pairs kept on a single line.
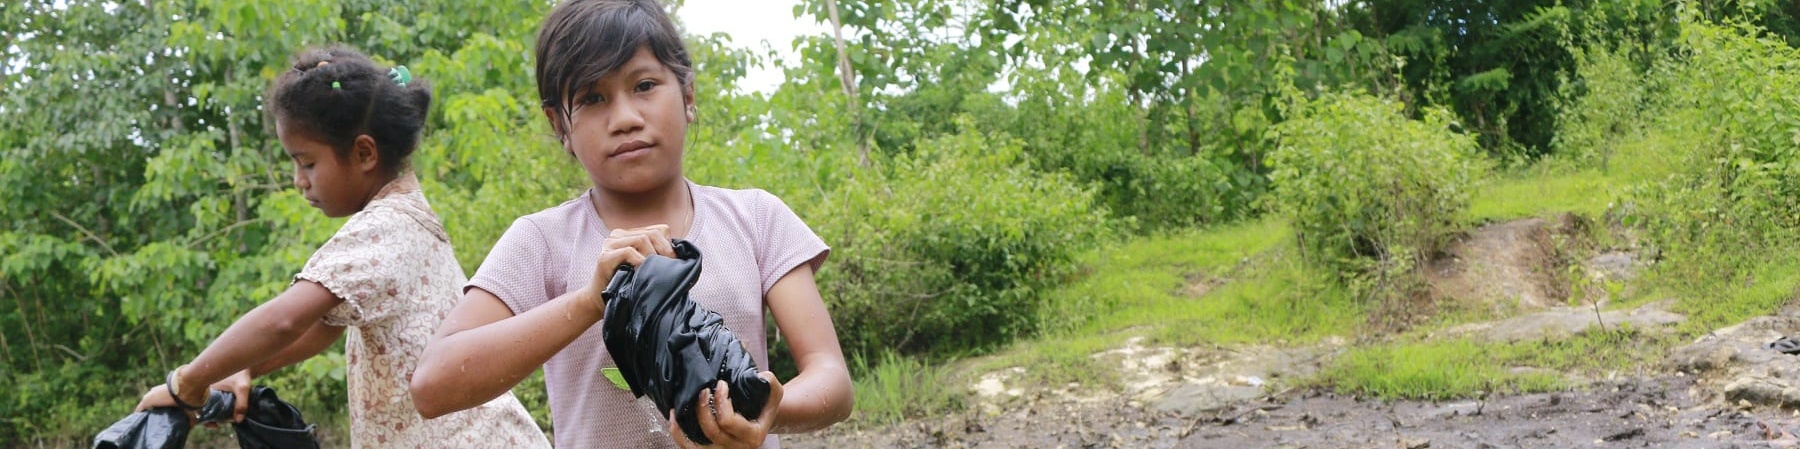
[[1732, 130], [1164, 192], [1612, 98], [1095, 133], [1368, 191], [953, 249]]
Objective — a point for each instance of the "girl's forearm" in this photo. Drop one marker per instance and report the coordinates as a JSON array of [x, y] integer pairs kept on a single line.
[[256, 337], [316, 339], [815, 399], [469, 367]]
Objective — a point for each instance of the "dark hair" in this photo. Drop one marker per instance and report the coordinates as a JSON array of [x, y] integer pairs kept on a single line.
[[583, 40], [335, 93]]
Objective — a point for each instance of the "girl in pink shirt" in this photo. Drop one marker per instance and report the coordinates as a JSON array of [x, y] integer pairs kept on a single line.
[[617, 88]]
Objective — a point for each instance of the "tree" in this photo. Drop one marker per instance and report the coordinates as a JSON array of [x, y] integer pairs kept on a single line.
[[1498, 63], [147, 202]]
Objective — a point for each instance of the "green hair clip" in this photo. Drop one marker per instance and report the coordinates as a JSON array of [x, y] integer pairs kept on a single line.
[[336, 85], [400, 75]]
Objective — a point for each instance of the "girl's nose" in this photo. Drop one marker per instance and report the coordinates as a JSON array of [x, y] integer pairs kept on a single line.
[[626, 117]]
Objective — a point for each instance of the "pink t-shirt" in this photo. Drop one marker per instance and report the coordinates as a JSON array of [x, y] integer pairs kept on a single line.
[[748, 239]]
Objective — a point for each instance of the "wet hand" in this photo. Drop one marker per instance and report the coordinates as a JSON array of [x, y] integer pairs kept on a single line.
[[239, 385], [656, 235], [722, 424], [158, 397], [627, 247]]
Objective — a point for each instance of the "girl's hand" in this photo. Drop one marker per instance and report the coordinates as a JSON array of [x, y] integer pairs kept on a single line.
[[239, 385], [158, 397], [723, 425], [627, 247]]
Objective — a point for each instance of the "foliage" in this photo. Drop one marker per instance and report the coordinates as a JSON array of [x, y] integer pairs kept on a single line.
[[952, 250], [1497, 63], [1614, 98], [1116, 95], [1369, 193], [1731, 123], [1710, 150], [892, 388], [149, 114], [1191, 66], [1090, 132]]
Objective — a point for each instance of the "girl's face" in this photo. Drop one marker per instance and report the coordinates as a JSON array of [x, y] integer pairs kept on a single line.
[[628, 129], [337, 185]]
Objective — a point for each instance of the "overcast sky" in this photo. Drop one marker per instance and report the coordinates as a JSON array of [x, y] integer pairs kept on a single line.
[[749, 22]]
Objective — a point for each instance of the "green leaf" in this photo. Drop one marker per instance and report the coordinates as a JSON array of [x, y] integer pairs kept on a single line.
[[617, 378]]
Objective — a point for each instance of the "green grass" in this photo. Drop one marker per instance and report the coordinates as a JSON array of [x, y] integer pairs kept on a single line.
[[1226, 285], [1712, 298], [1542, 192], [1132, 273], [1416, 368], [896, 387], [1255, 290], [1442, 369], [1555, 186]]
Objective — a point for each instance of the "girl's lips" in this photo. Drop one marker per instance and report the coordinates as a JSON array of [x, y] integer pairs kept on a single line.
[[629, 149]]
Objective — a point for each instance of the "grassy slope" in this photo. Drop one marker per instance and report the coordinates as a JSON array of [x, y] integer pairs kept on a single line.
[[1262, 293]]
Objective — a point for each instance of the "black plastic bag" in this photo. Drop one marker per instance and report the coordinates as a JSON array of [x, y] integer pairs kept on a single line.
[[157, 428], [269, 423], [272, 423], [668, 348]]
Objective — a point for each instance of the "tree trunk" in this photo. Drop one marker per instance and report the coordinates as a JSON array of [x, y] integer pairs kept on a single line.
[[848, 76]]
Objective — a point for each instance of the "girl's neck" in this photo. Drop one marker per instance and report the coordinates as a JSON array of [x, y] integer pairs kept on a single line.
[[380, 183], [671, 204]]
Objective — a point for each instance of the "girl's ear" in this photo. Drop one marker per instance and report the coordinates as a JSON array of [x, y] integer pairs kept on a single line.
[[363, 154], [556, 126], [687, 98]]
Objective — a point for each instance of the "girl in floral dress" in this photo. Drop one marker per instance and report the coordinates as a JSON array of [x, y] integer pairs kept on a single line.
[[386, 279]]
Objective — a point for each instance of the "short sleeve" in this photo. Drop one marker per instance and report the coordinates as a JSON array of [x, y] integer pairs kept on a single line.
[[358, 266], [517, 268], [786, 242]]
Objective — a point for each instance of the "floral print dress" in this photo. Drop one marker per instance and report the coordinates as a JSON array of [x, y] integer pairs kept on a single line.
[[393, 267]]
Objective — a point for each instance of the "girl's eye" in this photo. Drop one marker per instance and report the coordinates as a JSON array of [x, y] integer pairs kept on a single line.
[[645, 85], [307, 166], [591, 98]]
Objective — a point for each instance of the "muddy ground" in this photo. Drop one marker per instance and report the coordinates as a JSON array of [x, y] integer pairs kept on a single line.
[[1658, 412], [1725, 390]]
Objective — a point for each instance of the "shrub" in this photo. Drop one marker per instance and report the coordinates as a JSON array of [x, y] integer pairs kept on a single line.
[[1732, 129], [1095, 133], [953, 249], [1612, 98], [1367, 190]]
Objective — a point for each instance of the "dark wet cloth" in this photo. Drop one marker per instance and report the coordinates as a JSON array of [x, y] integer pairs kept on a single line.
[[270, 423], [669, 348]]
